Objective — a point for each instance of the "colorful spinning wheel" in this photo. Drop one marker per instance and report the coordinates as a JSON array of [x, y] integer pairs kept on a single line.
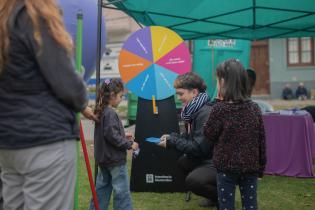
[[150, 61]]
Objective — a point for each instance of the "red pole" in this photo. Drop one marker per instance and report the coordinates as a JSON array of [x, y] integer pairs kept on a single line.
[[88, 167]]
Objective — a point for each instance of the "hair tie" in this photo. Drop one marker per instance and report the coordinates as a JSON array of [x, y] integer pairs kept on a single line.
[[107, 81]]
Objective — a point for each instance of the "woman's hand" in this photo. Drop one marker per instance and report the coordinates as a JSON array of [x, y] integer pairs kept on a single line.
[[162, 143], [163, 140], [164, 137], [89, 114]]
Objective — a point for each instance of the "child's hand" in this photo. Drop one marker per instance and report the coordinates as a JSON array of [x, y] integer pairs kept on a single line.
[[134, 146]]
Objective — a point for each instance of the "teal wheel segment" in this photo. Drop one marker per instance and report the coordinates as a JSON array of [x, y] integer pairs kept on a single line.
[[164, 82], [144, 84]]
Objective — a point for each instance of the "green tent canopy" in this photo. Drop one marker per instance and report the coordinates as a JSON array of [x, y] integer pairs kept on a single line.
[[230, 19]]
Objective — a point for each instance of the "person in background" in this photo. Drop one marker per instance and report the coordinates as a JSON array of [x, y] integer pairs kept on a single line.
[[40, 94], [252, 79], [287, 93], [301, 92], [236, 128], [110, 148], [264, 106], [311, 110], [196, 159]]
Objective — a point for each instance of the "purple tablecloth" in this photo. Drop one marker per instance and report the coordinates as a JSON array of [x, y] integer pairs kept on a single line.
[[290, 142]]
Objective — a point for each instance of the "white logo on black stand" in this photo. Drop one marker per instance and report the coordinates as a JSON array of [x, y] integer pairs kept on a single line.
[[149, 178]]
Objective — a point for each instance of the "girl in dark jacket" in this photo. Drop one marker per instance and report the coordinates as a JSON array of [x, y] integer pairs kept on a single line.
[[235, 126], [196, 160], [40, 93], [111, 145]]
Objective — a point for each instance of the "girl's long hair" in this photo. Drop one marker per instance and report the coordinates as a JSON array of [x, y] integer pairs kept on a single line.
[[48, 11], [235, 85], [108, 89]]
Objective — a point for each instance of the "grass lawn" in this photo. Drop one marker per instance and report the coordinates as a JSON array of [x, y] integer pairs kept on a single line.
[[274, 192], [278, 193]]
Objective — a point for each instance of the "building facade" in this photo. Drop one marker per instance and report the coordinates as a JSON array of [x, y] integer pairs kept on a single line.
[[291, 62]]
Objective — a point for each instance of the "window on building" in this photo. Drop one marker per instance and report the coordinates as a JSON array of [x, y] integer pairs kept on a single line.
[[300, 51]]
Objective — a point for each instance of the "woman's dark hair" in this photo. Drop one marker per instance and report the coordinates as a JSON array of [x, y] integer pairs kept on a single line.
[[252, 79], [190, 81], [108, 89], [236, 85]]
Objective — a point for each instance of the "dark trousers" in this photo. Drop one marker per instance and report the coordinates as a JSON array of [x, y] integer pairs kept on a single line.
[[200, 179], [226, 190]]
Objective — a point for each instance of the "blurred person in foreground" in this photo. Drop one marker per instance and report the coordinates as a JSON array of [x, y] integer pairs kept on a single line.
[[1, 200], [39, 96]]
